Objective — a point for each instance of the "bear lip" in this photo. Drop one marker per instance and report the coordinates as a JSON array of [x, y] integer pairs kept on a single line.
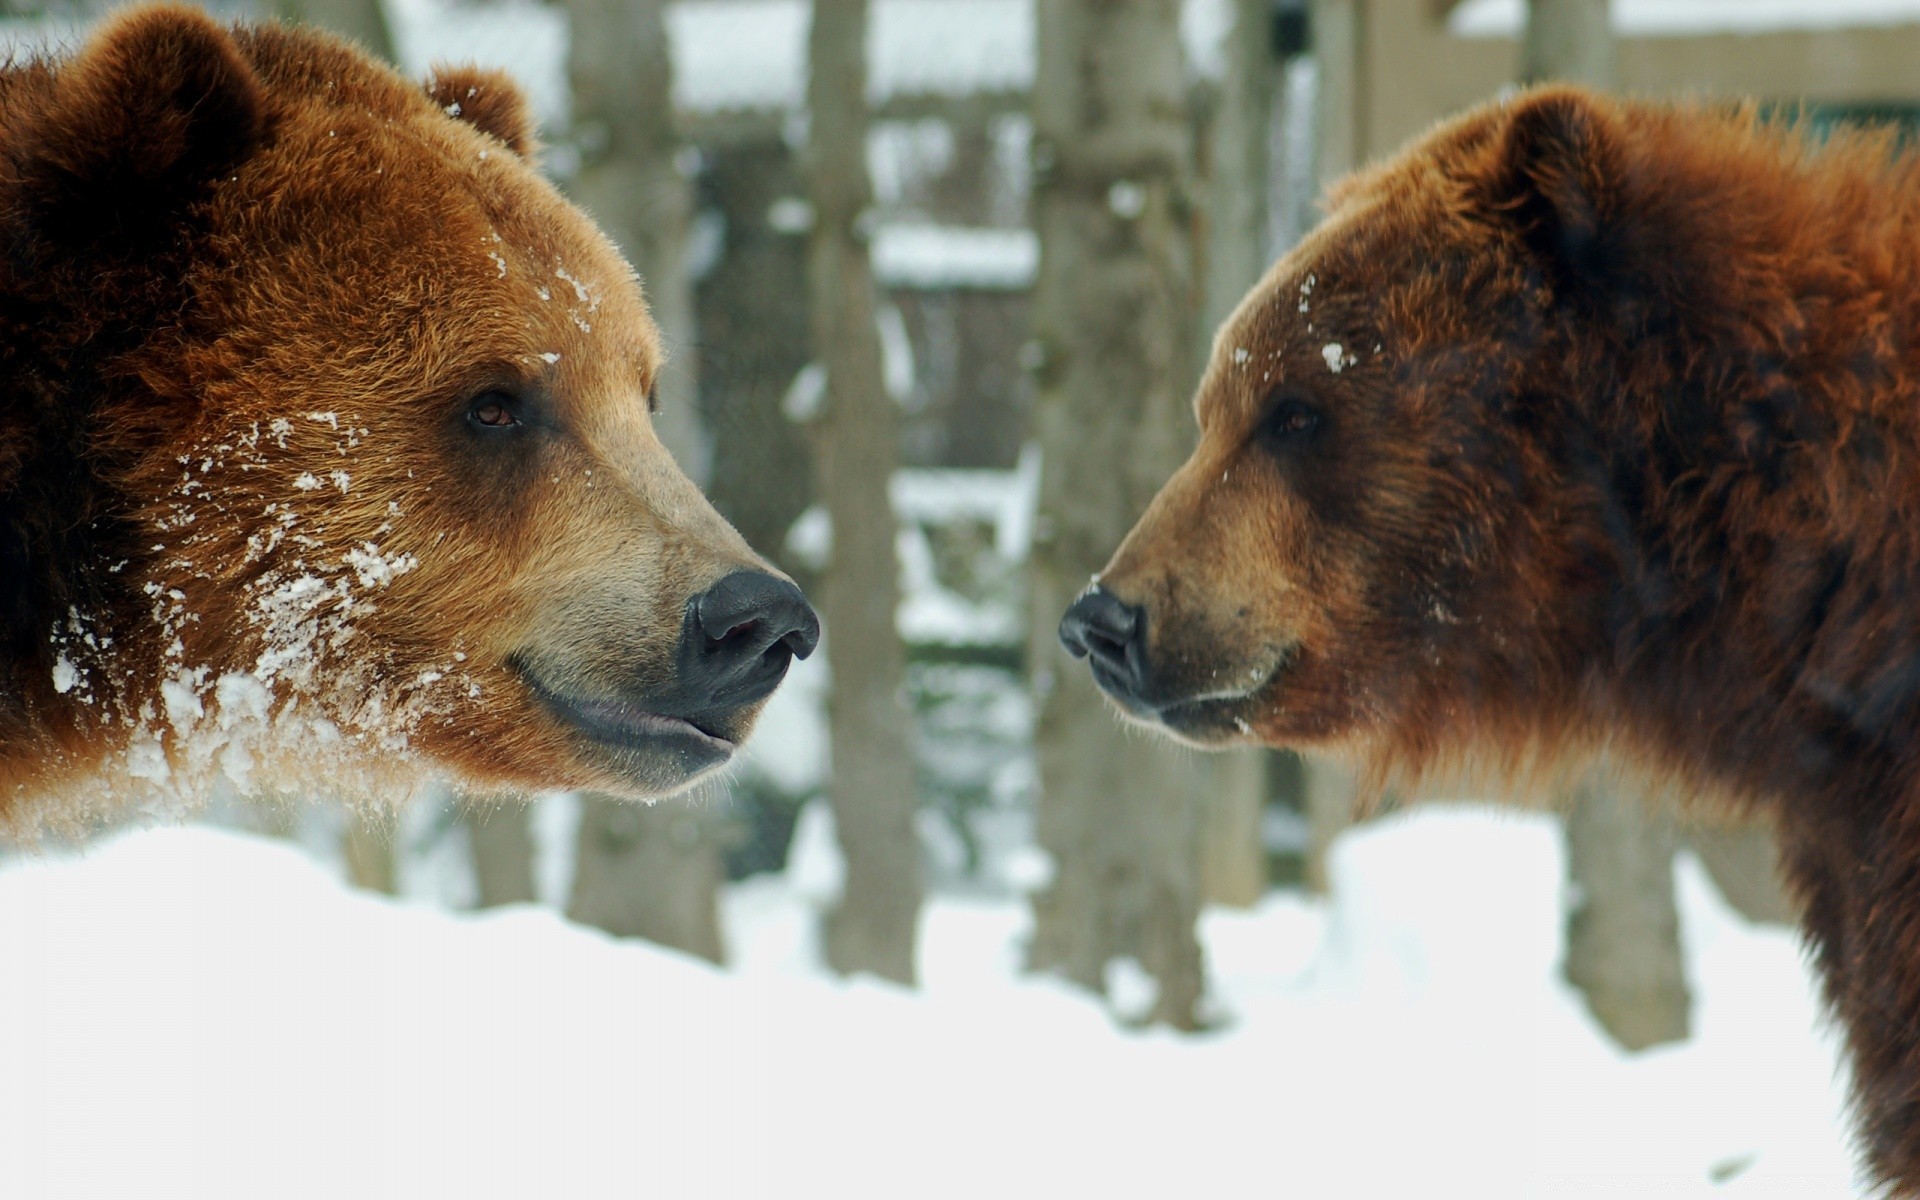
[[1217, 704], [628, 726], [1204, 719]]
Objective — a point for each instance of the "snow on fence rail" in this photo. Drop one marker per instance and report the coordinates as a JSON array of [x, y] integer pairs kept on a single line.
[[1693, 18]]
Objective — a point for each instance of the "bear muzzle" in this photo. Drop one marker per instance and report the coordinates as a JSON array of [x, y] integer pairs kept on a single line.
[[1111, 635], [737, 640]]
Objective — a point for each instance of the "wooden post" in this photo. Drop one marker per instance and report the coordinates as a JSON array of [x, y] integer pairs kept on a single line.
[[1114, 308], [873, 787]]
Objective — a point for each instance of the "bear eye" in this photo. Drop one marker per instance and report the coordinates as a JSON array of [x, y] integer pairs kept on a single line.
[[492, 410], [1291, 421]]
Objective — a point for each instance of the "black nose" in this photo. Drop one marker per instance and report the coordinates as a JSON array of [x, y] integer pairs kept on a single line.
[[740, 636], [1111, 636]]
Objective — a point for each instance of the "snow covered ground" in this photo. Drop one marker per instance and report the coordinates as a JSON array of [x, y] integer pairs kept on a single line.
[[188, 1012]]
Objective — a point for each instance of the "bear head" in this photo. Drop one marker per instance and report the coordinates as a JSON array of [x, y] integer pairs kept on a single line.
[[1379, 544], [331, 462]]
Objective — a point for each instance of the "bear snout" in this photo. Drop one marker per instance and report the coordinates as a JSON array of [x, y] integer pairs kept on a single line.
[[740, 636], [1190, 686], [1112, 636]]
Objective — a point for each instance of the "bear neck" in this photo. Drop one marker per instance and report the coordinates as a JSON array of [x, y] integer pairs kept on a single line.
[[1743, 448]]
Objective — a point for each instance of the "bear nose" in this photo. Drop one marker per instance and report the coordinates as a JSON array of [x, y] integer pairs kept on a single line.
[[741, 635], [1111, 635]]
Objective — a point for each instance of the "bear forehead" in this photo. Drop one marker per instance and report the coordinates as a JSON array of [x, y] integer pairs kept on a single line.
[[1385, 265], [371, 211], [1293, 328]]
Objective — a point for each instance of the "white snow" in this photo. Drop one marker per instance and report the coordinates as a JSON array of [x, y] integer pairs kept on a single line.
[[1682, 18], [806, 395], [896, 352], [944, 257], [199, 1013]]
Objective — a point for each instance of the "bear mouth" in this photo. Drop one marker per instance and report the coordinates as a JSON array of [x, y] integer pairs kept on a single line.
[[1209, 718], [642, 739]]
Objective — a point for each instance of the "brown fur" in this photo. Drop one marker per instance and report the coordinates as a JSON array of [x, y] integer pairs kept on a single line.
[[1623, 449], [253, 282]]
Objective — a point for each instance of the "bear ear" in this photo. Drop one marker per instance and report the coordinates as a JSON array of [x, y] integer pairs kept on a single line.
[[155, 107], [1554, 177], [489, 101]]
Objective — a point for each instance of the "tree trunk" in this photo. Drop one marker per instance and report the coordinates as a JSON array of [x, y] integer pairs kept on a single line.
[[1744, 861], [1114, 312], [500, 839], [1570, 40], [369, 851], [1340, 66], [873, 787], [1232, 859], [650, 871], [1623, 934], [1237, 250], [1327, 793], [633, 179], [628, 880], [755, 335]]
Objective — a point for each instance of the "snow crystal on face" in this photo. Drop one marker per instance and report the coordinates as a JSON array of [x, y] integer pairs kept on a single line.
[[1240, 355], [580, 289], [315, 688], [375, 569], [1306, 290], [550, 358], [146, 759], [1337, 357], [243, 700], [499, 263], [181, 697]]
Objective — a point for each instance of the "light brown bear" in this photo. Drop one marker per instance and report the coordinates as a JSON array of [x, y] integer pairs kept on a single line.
[[1579, 424], [325, 448]]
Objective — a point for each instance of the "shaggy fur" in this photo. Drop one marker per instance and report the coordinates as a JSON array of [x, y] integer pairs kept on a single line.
[[1586, 423], [255, 290]]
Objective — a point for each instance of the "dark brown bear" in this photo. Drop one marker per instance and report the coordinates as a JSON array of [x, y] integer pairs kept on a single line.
[[1581, 424], [325, 449]]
